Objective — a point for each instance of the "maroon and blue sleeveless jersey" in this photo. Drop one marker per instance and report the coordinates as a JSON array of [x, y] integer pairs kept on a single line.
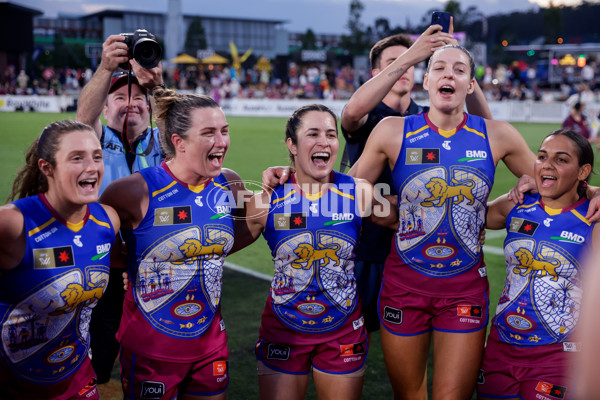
[[443, 179], [544, 247], [312, 240], [176, 257], [46, 301]]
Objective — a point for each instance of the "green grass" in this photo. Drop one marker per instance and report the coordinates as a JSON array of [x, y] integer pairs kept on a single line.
[[257, 143]]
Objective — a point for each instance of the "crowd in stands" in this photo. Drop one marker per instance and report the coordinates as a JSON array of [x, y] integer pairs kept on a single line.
[[517, 82]]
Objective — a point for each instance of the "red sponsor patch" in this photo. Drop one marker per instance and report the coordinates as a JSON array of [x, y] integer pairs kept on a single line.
[[558, 392], [352, 349], [219, 368], [469, 311], [91, 385]]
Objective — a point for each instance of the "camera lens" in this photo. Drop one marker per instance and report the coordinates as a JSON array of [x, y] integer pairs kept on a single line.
[[147, 53]]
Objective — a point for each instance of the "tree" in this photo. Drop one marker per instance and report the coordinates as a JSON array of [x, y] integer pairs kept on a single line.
[[196, 37], [382, 28], [309, 40], [358, 42], [552, 23]]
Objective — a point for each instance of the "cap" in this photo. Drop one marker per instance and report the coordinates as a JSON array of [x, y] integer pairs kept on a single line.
[[120, 79]]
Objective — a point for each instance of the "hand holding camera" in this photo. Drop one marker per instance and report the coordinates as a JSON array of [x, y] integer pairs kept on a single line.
[[142, 47]]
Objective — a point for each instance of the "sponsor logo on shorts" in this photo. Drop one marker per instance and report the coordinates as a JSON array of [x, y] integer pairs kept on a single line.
[[481, 377], [572, 347], [358, 323], [555, 391], [152, 390], [277, 352], [469, 311], [219, 368], [222, 325], [352, 349], [392, 315], [90, 388]]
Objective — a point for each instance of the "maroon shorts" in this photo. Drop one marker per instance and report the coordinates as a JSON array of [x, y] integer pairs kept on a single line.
[[146, 378], [343, 355], [80, 386], [406, 313], [528, 372]]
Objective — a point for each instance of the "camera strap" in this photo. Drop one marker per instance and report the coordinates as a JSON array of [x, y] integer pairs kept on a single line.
[[124, 137]]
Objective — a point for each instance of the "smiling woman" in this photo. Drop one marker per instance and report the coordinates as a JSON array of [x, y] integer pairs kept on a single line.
[[436, 266], [538, 311], [48, 285], [178, 229], [312, 322]]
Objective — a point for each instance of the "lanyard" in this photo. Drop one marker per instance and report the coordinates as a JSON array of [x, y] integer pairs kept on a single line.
[[142, 157]]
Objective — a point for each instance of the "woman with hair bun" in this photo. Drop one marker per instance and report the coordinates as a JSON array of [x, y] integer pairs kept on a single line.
[[177, 227]]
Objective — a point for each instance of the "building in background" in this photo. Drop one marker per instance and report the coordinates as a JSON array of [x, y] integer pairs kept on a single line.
[[16, 34], [264, 36]]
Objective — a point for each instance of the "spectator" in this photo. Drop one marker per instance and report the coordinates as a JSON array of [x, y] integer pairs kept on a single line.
[[108, 92], [577, 121]]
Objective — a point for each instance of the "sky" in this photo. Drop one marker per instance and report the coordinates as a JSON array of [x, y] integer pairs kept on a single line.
[[322, 16]]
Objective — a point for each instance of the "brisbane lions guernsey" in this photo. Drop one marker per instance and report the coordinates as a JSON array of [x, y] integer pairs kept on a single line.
[[543, 248], [175, 262], [443, 179], [47, 300], [312, 239]]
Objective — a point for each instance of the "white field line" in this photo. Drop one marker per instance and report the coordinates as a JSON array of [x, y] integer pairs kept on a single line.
[[238, 268], [244, 270], [495, 234]]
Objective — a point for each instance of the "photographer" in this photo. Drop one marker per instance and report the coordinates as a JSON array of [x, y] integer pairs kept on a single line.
[[108, 92]]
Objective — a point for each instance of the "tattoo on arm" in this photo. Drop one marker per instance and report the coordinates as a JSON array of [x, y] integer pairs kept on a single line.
[[398, 71]]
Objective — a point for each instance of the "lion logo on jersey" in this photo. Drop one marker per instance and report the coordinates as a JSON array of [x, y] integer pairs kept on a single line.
[[527, 261], [441, 191], [308, 254], [74, 295], [193, 248]]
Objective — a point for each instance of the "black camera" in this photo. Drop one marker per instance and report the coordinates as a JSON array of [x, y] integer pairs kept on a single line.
[[143, 47]]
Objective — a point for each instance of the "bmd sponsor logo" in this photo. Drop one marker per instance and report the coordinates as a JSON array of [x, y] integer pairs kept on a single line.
[[474, 155], [569, 237]]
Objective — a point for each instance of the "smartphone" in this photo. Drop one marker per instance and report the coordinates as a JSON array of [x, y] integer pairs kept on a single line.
[[441, 18]]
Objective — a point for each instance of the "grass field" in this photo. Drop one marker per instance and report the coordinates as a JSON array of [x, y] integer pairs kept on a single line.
[[257, 143]]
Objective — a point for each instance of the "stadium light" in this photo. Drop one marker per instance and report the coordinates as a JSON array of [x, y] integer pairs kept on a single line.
[[504, 43], [559, 40], [581, 61], [531, 53]]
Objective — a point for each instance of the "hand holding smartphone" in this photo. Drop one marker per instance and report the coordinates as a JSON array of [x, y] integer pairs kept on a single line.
[[441, 18]]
